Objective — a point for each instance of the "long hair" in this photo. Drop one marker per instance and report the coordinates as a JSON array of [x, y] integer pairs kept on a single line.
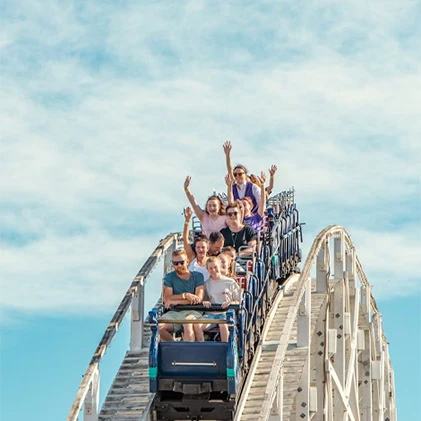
[[221, 204]]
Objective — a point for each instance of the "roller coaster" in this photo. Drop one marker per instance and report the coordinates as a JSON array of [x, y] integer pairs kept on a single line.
[[303, 344]]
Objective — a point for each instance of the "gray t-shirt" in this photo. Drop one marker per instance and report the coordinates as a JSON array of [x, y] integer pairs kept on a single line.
[[226, 289], [178, 285]]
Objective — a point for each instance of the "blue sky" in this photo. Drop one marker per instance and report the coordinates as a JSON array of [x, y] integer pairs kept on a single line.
[[107, 106]]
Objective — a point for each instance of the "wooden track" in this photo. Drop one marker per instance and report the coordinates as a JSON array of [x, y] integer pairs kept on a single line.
[[294, 359], [128, 398]]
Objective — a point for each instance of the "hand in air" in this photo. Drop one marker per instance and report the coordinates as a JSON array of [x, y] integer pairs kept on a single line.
[[188, 213], [272, 170], [227, 147], [187, 182], [229, 181], [263, 177]]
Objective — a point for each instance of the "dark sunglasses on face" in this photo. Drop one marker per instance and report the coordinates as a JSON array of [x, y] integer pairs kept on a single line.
[[236, 174], [232, 213], [180, 262]]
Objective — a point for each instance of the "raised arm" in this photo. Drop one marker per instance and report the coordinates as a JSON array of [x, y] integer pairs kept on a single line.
[[197, 209], [186, 243], [262, 204], [229, 182], [227, 150], [272, 171]]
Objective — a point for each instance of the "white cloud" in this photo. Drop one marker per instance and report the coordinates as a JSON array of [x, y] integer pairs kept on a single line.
[[106, 108]]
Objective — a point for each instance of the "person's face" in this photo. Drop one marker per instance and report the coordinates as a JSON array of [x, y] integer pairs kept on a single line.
[[233, 216], [216, 247], [201, 248], [224, 264], [213, 206], [180, 264], [247, 207], [231, 254], [214, 270], [239, 176]]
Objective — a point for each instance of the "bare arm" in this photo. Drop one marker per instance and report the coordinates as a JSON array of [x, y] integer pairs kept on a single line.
[[200, 292], [197, 209], [227, 150], [262, 204], [272, 171], [229, 182], [171, 299], [186, 243]]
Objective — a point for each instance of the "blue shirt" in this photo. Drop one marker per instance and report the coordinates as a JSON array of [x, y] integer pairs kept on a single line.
[[178, 285]]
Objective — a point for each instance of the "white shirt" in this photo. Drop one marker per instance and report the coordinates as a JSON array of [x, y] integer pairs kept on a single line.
[[241, 188]]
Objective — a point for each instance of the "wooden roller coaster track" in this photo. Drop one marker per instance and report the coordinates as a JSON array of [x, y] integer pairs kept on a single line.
[[322, 355]]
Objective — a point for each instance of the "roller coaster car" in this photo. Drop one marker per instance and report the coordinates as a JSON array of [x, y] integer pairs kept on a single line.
[[203, 380], [195, 380]]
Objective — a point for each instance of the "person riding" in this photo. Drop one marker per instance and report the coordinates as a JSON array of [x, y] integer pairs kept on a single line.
[[251, 219], [219, 290], [236, 234], [212, 218], [226, 267], [180, 287], [216, 243], [198, 254], [241, 186]]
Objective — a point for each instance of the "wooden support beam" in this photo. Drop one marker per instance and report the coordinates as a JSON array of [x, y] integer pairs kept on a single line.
[[137, 317], [339, 358], [91, 403], [322, 269]]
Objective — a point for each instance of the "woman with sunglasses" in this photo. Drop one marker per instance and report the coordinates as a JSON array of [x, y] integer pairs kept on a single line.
[[198, 255], [236, 234], [241, 185], [212, 218], [250, 218]]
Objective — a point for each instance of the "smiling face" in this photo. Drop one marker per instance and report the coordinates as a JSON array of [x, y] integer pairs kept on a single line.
[[213, 206], [214, 268], [202, 248], [240, 174], [225, 264], [233, 216], [180, 263]]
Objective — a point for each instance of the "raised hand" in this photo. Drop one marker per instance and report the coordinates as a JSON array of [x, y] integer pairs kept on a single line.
[[188, 213], [187, 183], [272, 170], [263, 177], [229, 181], [227, 147]]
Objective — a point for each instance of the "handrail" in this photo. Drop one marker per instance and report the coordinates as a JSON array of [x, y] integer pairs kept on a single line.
[[116, 321], [320, 240]]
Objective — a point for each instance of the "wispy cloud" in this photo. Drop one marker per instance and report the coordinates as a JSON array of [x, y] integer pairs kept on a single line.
[[106, 107]]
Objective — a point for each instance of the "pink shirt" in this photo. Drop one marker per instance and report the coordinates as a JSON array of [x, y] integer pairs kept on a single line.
[[209, 225]]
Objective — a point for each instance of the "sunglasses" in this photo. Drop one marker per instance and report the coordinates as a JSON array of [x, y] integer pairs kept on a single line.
[[236, 174], [180, 262], [232, 213]]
